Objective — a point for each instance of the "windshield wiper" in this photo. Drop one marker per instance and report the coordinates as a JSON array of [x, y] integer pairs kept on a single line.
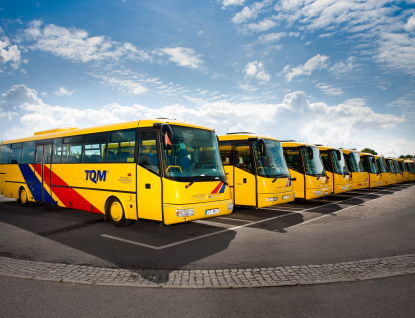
[[204, 176], [280, 176]]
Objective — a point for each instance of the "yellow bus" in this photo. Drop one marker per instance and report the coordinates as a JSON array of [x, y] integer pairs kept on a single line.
[[391, 168], [410, 165], [306, 167], [255, 169], [371, 167], [360, 178], [384, 171], [404, 170], [163, 170], [336, 169]]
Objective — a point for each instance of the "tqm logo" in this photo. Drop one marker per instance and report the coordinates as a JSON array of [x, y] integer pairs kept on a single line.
[[96, 175]]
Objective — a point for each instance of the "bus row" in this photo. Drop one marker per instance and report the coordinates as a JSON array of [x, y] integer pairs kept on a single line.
[[171, 171]]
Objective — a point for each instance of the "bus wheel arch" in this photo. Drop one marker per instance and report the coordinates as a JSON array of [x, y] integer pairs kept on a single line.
[[24, 197], [114, 212]]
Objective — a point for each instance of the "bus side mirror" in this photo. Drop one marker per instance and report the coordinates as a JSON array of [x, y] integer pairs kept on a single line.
[[310, 152], [338, 154], [167, 136]]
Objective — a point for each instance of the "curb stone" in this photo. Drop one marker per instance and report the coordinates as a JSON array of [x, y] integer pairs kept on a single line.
[[220, 278]]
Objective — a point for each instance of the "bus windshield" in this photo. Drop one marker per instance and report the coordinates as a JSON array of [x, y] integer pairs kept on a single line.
[[353, 159], [313, 167], [273, 163], [390, 165], [402, 166], [368, 164], [340, 167], [396, 166], [381, 165], [194, 153]]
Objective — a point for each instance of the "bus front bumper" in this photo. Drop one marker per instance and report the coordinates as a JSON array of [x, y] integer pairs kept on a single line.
[[270, 199], [190, 212]]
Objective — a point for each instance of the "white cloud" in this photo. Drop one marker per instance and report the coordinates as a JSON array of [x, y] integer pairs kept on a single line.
[[63, 92], [410, 26], [183, 57], [330, 89], [344, 66], [261, 26], [338, 125], [227, 3], [250, 13], [317, 62], [256, 69], [9, 53], [76, 45], [124, 85]]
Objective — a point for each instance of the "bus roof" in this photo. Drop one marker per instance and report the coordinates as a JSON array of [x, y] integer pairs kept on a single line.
[[366, 154], [71, 131], [325, 147], [243, 136], [347, 151], [295, 144]]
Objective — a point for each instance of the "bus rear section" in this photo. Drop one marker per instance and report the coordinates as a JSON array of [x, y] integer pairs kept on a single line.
[[256, 170], [360, 178], [306, 167], [371, 167], [404, 170], [384, 170], [144, 169], [336, 169]]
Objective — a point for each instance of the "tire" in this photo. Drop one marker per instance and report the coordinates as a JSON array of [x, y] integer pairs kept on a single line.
[[115, 211], [23, 198]]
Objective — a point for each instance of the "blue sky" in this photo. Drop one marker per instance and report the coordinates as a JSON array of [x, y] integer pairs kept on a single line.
[[336, 72]]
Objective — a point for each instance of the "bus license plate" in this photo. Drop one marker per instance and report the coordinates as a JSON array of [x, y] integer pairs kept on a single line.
[[212, 211], [285, 197], [317, 192], [344, 188]]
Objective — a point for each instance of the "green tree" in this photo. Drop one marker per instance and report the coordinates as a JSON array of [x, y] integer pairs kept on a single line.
[[407, 156], [368, 150]]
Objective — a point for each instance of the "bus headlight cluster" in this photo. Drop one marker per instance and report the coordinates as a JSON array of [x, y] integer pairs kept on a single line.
[[272, 199], [185, 212], [230, 206]]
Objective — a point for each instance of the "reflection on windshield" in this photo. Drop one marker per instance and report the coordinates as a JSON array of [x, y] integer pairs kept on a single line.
[[340, 167], [396, 166], [194, 152], [353, 158], [272, 164], [313, 166], [381, 165], [368, 164], [390, 165]]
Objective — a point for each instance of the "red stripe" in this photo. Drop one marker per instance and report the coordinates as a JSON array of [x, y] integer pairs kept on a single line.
[[217, 188], [69, 195]]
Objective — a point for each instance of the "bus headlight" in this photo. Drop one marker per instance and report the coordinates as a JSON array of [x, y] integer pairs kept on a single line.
[[185, 212], [272, 199], [230, 206]]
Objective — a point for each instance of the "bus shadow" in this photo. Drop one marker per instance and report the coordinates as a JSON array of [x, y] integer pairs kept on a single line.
[[149, 250]]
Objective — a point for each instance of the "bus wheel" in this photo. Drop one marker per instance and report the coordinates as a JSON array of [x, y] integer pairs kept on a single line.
[[24, 200], [116, 213]]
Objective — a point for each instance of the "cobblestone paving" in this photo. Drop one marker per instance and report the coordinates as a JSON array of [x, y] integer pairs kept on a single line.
[[220, 278]]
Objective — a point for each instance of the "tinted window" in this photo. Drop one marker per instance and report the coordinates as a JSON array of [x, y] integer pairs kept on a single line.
[[5, 153], [57, 151], [94, 148], [16, 154], [121, 146], [147, 151], [243, 159], [74, 153], [293, 159], [29, 152], [226, 152]]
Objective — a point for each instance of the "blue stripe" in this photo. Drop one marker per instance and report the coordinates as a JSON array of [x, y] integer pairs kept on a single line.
[[29, 177], [223, 188]]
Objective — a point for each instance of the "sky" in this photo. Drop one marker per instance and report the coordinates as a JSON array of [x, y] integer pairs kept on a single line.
[[334, 72]]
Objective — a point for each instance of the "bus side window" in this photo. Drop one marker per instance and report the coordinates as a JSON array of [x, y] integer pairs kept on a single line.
[[28, 155], [5, 153], [94, 147], [121, 146], [243, 158], [16, 153], [147, 151], [226, 150], [57, 150], [292, 157]]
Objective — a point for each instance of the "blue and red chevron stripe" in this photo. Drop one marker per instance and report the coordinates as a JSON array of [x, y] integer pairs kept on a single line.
[[220, 188], [67, 195]]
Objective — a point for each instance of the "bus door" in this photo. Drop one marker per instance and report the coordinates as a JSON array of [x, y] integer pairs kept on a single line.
[[43, 173], [244, 175], [149, 188]]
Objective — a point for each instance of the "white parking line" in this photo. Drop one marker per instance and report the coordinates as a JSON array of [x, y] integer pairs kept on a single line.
[[221, 217], [240, 226]]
